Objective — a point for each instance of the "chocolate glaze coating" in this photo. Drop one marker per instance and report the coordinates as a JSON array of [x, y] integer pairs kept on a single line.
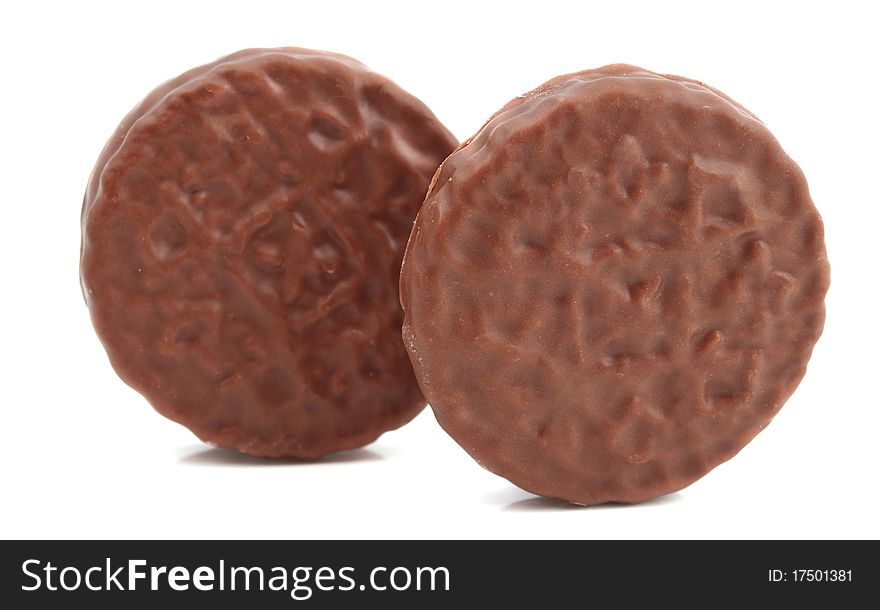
[[613, 286], [242, 237]]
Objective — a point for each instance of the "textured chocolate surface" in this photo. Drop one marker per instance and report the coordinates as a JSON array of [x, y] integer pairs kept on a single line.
[[242, 237], [613, 286]]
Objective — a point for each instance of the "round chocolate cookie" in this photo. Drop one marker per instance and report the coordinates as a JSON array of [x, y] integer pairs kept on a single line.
[[613, 286], [242, 237]]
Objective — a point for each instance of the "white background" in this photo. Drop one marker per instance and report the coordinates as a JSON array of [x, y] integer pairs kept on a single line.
[[82, 455]]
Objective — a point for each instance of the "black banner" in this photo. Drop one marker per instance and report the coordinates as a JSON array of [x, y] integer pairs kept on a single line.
[[433, 574]]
